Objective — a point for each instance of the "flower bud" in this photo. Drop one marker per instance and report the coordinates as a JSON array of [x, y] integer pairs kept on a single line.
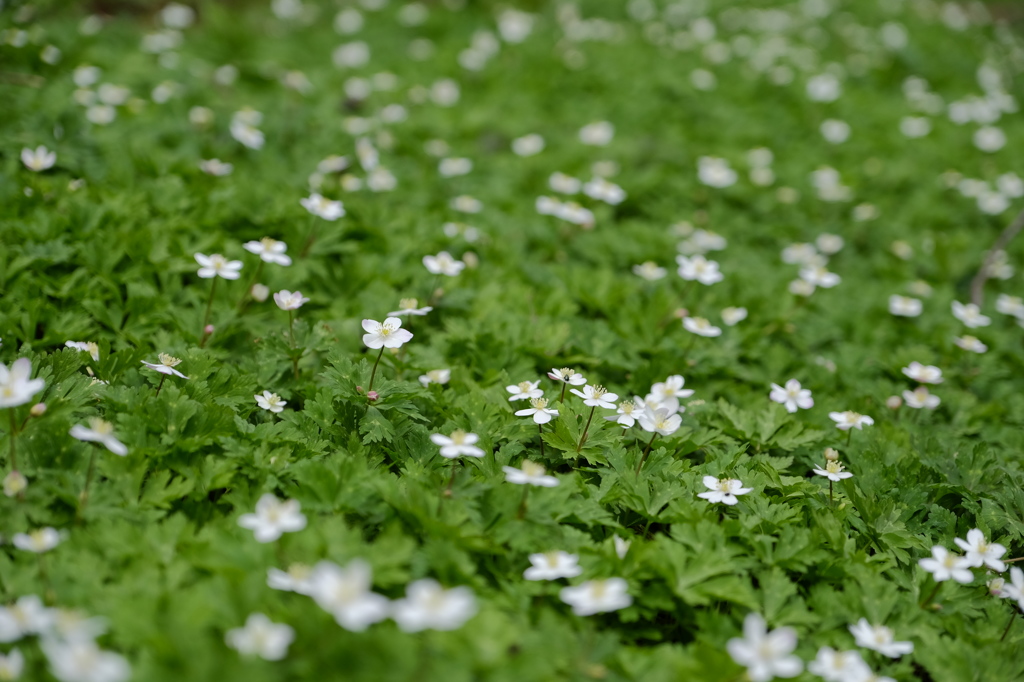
[[38, 410], [372, 395], [208, 329], [14, 483], [259, 292], [831, 455], [893, 402]]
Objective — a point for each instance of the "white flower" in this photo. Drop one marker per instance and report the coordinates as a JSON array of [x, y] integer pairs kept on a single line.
[[273, 517], [176, 15], [248, 135], [924, 374], [823, 88], [839, 666], [1015, 590], [627, 412], [323, 207], [217, 265], [14, 483], [699, 268], [667, 393], [38, 159], [345, 594], [819, 276], [386, 334], [89, 347], [466, 204], [565, 184], [16, 388], [269, 250], [970, 315], [793, 396], [944, 565], [74, 626], [27, 616], [621, 546], [11, 665], [530, 473], [603, 190], [436, 376], [879, 638], [989, 139], [597, 134], [443, 264], [766, 655], [597, 596], [270, 401], [850, 420], [650, 271], [259, 292], [83, 661], [567, 376], [715, 172], [970, 343], [835, 131], [40, 540], [904, 306], [528, 145], [215, 167], [288, 300], [915, 126], [450, 167], [660, 421], [1010, 305], [802, 254], [538, 410], [459, 443], [261, 637], [701, 327], [723, 490], [573, 213], [920, 397], [980, 553], [407, 306], [552, 566], [102, 432], [596, 396], [295, 579], [525, 390], [732, 316], [428, 606], [833, 471]]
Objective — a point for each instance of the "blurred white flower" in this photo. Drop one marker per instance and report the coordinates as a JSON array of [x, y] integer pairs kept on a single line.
[[597, 596], [273, 518], [101, 432], [261, 636], [38, 159], [428, 606], [270, 401], [597, 134]]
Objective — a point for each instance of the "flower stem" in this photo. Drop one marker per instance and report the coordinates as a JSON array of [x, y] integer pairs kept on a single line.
[[928, 600], [84, 497], [373, 374], [561, 398], [448, 489], [12, 435], [831, 502], [206, 315], [647, 451], [163, 378], [540, 430], [310, 239], [1013, 617], [586, 430], [291, 339], [849, 435], [522, 503]]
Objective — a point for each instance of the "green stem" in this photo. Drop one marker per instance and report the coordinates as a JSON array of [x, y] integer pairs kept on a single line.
[[647, 451], [1009, 623], [522, 503], [373, 374], [84, 497], [586, 430], [13, 435], [206, 315], [831, 502], [163, 378], [540, 430], [927, 600], [291, 339], [561, 398], [448, 490], [310, 239], [849, 435]]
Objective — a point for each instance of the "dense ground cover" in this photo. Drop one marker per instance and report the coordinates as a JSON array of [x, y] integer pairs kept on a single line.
[[831, 176]]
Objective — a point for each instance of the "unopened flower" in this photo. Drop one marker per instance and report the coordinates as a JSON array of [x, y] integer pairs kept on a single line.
[[408, 306], [850, 420], [166, 365], [596, 396], [989, 139], [699, 268], [567, 376], [793, 396], [89, 347], [979, 553], [833, 471], [14, 483], [428, 606], [345, 593], [529, 473], [525, 390], [920, 397], [552, 566], [289, 300], [904, 306], [970, 343], [459, 443], [270, 401], [259, 292], [621, 546], [386, 334], [723, 490], [838, 666], [38, 541], [879, 638], [660, 421], [944, 565], [38, 159], [443, 264], [273, 517], [217, 265], [261, 637], [732, 316], [269, 250], [323, 207], [650, 271], [16, 388], [701, 327], [539, 410], [829, 243], [597, 596], [765, 655], [924, 374], [970, 315], [436, 376], [102, 432]]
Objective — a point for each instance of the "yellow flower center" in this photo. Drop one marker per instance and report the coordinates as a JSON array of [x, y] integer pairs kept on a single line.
[[458, 437], [408, 304], [532, 469]]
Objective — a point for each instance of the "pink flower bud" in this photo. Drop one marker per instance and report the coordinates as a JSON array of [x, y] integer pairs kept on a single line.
[[372, 395], [38, 410], [208, 329], [893, 402]]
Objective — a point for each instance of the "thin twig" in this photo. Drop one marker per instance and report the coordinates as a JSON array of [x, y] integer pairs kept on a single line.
[[978, 283]]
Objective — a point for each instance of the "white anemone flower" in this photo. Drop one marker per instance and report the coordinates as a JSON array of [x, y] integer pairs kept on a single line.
[[38, 159], [700, 269], [944, 565], [701, 326], [552, 566], [217, 265], [979, 552], [723, 490], [457, 444], [273, 518], [970, 343], [270, 401], [539, 410], [660, 421], [923, 374], [428, 606], [567, 376], [597, 596], [386, 334], [525, 390], [905, 306], [16, 386], [529, 473], [102, 432], [345, 594], [970, 315], [627, 412], [269, 250], [443, 264], [89, 347], [261, 637], [850, 420], [596, 396], [323, 207], [793, 396], [920, 397], [166, 365], [409, 306], [879, 638], [765, 655]]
